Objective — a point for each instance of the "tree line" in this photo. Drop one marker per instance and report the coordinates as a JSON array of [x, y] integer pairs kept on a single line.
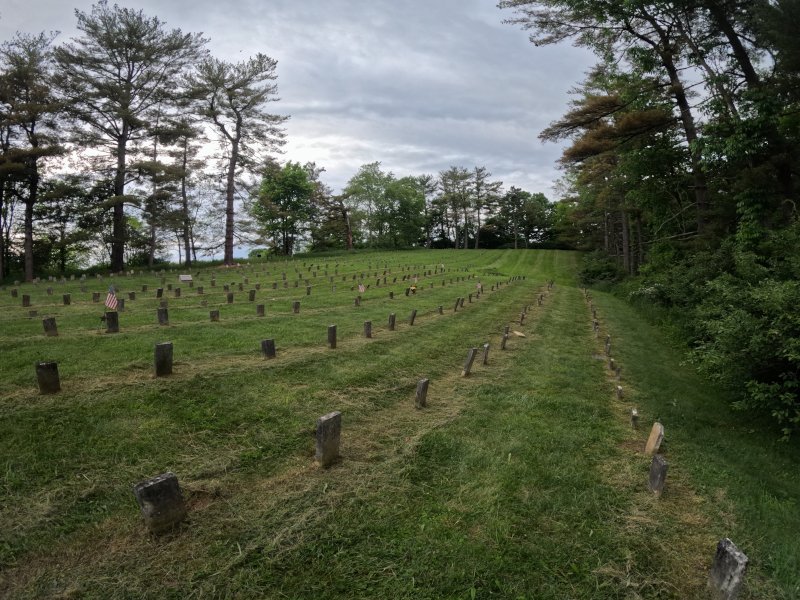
[[681, 173]]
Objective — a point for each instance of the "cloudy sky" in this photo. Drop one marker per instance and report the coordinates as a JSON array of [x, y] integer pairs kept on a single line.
[[418, 85]]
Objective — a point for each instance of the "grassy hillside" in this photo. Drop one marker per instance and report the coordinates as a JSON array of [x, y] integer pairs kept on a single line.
[[524, 480]]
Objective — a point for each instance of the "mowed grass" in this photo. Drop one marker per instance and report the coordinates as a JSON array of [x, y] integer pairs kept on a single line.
[[521, 481]]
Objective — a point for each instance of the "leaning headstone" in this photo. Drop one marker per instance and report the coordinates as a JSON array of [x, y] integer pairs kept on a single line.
[[47, 377], [268, 348], [727, 573], [160, 502], [468, 363], [214, 316], [112, 322], [392, 318], [421, 397], [658, 474], [163, 359], [655, 439], [486, 354], [163, 316], [367, 329], [458, 302], [329, 431], [332, 336], [50, 329], [412, 317]]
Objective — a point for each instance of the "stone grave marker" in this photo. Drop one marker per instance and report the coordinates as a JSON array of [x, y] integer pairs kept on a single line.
[[392, 318], [468, 363], [655, 439], [503, 341], [67, 299], [177, 292], [229, 297], [131, 296], [163, 359], [159, 292], [47, 377], [251, 296], [213, 315], [163, 316], [296, 307], [412, 317], [160, 502], [268, 348], [14, 292], [421, 397], [634, 418], [259, 310], [112, 322], [329, 431], [50, 329], [332, 336], [367, 329], [727, 571], [658, 474], [486, 354]]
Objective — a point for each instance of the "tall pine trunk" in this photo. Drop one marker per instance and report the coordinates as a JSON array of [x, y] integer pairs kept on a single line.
[[118, 226]]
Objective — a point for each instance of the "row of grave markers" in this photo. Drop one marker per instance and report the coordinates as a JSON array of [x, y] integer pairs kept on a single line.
[[160, 498], [730, 564], [48, 379]]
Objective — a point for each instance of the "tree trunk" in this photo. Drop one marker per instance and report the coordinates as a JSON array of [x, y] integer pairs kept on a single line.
[[739, 51], [478, 227], [185, 204], [28, 242], [229, 194], [348, 228], [118, 230]]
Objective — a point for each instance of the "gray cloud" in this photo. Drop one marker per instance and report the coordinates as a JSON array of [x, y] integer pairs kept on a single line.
[[418, 86]]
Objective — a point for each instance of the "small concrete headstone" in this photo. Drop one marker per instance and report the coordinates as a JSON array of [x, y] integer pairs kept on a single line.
[[503, 341], [468, 363], [392, 318], [332, 336], [177, 292], [26, 300], [67, 299], [144, 288], [329, 431], [251, 296], [229, 297], [131, 296], [486, 354], [727, 572], [160, 502], [634, 418], [412, 317], [655, 439], [159, 292], [259, 310], [421, 397], [214, 316], [367, 329], [296, 307], [47, 377], [268, 348], [49, 291], [112, 322], [658, 474], [620, 392], [163, 316], [163, 359], [14, 292]]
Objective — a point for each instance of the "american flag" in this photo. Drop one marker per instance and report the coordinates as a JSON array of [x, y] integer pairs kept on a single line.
[[111, 299], [361, 288]]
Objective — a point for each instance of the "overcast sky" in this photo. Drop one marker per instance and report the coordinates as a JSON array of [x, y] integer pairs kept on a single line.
[[418, 85]]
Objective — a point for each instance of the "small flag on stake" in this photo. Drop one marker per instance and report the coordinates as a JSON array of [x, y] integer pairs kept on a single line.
[[361, 288], [111, 299]]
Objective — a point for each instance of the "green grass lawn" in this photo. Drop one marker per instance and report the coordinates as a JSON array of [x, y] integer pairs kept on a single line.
[[524, 480]]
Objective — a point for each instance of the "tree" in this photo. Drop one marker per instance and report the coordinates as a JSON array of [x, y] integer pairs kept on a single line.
[[113, 77], [485, 196], [456, 199], [31, 112], [284, 205], [234, 97]]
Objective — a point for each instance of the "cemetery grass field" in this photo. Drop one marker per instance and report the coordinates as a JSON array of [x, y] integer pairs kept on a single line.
[[523, 480]]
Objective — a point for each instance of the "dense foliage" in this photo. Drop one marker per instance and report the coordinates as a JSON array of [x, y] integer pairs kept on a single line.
[[682, 169]]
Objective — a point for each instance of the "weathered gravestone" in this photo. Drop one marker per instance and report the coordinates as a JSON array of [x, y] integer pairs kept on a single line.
[[259, 310], [160, 502], [50, 329], [412, 317], [655, 439], [268, 348], [251, 296], [421, 397], [486, 354], [26, 300], [392, 318], [503, 341], [163, 316], [468, 363], [332, 336], [112, 322], [213, 315], [296, 307], [163, 359], [634, 418], [727, 572], [47, 377], [367, 329], [329, 431], [658, 474], [67, 299]]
